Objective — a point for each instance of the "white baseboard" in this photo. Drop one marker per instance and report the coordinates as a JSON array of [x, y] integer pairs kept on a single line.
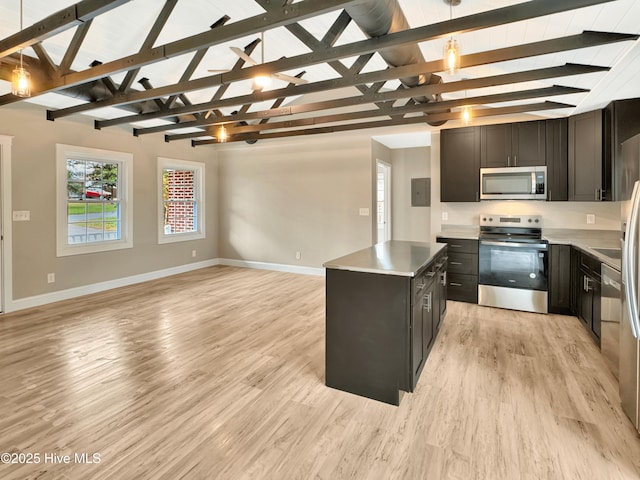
[[278, 267], [38, 300], [45, 298]]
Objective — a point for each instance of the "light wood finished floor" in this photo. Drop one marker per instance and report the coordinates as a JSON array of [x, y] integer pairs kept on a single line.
[[219, 374]]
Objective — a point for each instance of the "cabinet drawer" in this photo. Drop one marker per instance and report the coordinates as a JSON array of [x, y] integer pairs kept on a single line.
[[590, 264], [462, 288], [460, 245], [422, 280], [465, 263]]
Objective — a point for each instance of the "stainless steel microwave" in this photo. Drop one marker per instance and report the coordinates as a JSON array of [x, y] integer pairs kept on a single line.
[[513, 183]]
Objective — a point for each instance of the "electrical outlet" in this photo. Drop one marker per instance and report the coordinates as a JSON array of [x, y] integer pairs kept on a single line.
[[298, 256], [51, 277], [193, 253], [445, 215], [591, 218], [364, 212], [21, 216]]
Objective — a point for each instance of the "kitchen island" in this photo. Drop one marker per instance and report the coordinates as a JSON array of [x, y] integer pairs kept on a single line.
[[384, 307]]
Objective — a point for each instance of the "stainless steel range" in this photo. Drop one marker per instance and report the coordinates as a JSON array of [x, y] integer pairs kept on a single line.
[[513, 263]]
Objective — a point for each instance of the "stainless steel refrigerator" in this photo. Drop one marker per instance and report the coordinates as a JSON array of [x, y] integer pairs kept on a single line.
[[629, 374]]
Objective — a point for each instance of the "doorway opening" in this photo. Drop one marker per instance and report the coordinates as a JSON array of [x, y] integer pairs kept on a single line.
[[383, 201]]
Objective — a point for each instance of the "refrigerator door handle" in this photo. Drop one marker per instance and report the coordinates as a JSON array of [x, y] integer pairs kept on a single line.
[[629, 262]]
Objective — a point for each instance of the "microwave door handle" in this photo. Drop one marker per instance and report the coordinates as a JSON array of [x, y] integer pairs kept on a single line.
[[533, 182]]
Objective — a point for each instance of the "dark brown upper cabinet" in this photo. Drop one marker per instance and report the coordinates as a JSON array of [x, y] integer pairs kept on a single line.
[[621, 122], [585, 158], [595, 147], [460, 165], [513, 144], [557, 152]]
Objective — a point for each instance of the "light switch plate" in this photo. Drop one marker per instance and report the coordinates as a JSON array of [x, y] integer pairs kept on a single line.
[[445, 215], [21, 215], [364, 212], [591, 218]]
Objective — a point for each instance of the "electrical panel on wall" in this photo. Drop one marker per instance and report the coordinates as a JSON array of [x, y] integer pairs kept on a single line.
[[420, 192]]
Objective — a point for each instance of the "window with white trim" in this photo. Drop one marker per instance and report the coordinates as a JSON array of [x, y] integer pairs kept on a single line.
[[181, 200], [94, 200]]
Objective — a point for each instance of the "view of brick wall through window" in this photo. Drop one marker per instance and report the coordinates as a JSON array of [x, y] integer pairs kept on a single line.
[[179, 194]]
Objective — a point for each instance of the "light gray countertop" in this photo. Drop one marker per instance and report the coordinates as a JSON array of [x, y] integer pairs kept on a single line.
[[585, 240], [395, 257]]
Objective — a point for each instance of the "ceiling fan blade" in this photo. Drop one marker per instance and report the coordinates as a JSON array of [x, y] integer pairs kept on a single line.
[[290, 79], [243, 56]]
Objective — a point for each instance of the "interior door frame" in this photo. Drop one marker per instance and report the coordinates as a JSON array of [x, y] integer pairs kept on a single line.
[[387, 190], [6, 263]]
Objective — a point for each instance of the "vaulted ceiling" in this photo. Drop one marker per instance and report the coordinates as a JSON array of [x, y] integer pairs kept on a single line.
[[166, 66]]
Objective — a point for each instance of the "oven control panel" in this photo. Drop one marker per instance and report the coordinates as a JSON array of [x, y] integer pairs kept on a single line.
[[522, 221]]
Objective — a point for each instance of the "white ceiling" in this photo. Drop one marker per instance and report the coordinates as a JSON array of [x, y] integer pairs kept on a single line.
[[121, 32]]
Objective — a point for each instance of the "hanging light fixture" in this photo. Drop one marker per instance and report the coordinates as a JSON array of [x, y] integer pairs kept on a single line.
[[21, 78], [467, 114], [261, 82], [467, 111], [451, 48], [222, 134]]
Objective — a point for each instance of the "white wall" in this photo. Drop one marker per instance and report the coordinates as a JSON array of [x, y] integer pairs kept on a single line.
[[303, 194], [409, 223], [34, 189]]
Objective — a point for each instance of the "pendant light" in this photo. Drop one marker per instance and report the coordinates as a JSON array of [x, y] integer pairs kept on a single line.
[[222, 134], [466, 112], [261, 81], [451, 48], [21, 78]]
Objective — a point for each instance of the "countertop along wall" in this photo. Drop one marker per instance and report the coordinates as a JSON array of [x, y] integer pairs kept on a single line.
[[33, 189]]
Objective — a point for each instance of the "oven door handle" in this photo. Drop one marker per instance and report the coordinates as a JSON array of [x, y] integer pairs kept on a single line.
[[535, 246]]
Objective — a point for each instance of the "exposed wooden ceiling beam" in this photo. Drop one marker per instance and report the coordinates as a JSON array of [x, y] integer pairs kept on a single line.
[[74, 47], [437, 117], [426, 108], [259, 23], [432, 89], [501, 16], [56, 23], [151, 38]]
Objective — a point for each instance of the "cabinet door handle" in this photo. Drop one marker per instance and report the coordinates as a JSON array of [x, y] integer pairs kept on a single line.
[[453, 245], [515, 160], [454, 284], [598, 195], [455, 263], [427, 299], [444, 279], [430, 274], [508, 160]]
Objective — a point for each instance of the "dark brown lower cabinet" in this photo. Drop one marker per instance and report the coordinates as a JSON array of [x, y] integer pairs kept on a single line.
[[560, 279], [588, 293], [462, 269]]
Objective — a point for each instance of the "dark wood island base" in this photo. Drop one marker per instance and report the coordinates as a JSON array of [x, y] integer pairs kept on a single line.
[[384, 306]]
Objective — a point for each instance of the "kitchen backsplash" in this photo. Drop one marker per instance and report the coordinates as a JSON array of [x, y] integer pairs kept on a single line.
[[572, 215]]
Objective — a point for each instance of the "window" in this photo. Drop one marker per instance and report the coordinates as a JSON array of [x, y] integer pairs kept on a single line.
[[181, 200], [94, 200]]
